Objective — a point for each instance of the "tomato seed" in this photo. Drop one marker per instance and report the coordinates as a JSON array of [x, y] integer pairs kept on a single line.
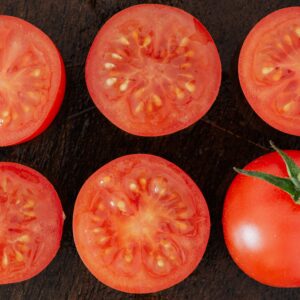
[[124, 85], [135, 36], [181, 225], [5, 260], [29, 214], [29, 204], [103, 240], [4, 184], [36, 73], [288, 40], [160, 263], [139, 92], [143, 182], [121, 206], [190, 87], [116, 56], [190, 53], [111, 81], [287, 107], [109, 66], [147, 41], [157, 100], [184, 42], [277, 75], [139, 107], [124, 41], [185, 65], [179, 93], [19, 256], [5, 113], [23, 238], [104, 180], [133, 186]]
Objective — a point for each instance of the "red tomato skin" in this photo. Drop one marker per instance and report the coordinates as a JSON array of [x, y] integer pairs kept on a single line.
[[47, 259], [261, 225], [252, 92], [137, 131]]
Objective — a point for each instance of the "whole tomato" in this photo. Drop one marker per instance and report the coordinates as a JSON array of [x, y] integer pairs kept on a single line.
[[261, 219]]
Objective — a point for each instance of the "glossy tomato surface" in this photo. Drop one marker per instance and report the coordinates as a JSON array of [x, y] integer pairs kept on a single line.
[[140, 224], [269, 69], [31, 219], [153, 70], [261, 225], [32, 81]]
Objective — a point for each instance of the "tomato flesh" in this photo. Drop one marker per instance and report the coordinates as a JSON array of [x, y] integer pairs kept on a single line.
[[31, 219], [153, 70], [261, 225], [269, 69], [140, 224], [32, 81]]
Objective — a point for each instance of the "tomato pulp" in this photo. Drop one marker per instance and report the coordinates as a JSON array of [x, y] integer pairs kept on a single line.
[[261, 225], [269, 69], [140, 224], [32, 81], [153, 70], [31, 219]]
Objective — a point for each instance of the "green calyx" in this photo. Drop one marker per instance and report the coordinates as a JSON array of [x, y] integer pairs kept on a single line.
[[290, 185]]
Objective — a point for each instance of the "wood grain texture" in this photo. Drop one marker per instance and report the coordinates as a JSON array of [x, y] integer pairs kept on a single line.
[[80, 140]]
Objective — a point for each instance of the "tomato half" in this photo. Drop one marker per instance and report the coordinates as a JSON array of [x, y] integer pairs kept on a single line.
[[140, 224], [31, 219], [261, 225], [153, 70], [32, 81], [269, 69]]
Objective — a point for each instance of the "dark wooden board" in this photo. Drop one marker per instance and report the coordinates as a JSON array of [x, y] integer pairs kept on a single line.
[[80, 140]]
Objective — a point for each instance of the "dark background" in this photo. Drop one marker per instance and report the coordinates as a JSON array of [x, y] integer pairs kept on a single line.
[[80, 140]]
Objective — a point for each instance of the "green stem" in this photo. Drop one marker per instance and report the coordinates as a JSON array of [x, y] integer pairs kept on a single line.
[[290, 185], [291, 167]]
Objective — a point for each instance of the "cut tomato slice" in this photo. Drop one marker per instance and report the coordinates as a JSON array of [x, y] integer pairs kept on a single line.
[[153, 70], [269, 69], [140, 224], [31, 219], [32, 81]]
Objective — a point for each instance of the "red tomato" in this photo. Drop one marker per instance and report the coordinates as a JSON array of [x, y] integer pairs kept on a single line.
[[269, 69], [140, 224], [153, 70], [31, 219], [261, 225], [32, 81]]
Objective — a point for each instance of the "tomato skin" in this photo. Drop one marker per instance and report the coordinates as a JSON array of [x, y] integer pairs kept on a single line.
[[139, 280], [159, 126], [261, 225], [264, 98], [55, 93], [47, 229]]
